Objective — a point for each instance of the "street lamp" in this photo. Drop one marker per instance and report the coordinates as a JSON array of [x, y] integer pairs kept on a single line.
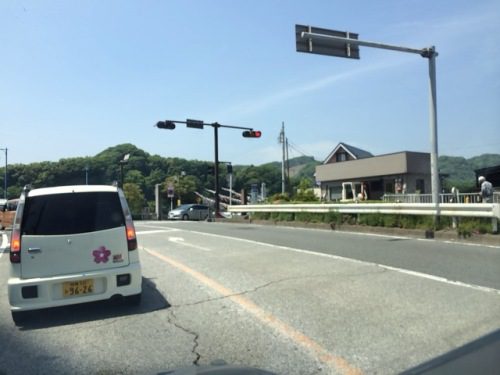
[[5, 178], [122, 163]]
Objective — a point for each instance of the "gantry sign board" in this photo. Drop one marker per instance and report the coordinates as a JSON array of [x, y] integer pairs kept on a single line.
[[323, 46]]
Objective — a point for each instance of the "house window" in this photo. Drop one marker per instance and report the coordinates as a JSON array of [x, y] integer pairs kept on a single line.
[[341, 156], [335, 193], [389, 188], [420, 186]]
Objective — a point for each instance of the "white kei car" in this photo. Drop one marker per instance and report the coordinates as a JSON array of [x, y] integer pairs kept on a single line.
[[72, 244]]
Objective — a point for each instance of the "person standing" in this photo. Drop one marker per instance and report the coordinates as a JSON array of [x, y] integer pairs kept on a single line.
[[486, 190]]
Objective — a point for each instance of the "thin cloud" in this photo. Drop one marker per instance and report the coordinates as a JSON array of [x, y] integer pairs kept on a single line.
[[267, 101]]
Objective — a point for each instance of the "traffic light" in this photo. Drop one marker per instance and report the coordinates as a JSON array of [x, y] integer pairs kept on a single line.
[[229, 168], [165, 125], [197, 124], [252, 133]]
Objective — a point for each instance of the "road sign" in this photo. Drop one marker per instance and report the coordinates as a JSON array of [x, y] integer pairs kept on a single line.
[[170, 191], [323, 46]]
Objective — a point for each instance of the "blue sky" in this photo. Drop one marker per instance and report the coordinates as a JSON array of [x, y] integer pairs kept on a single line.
[[78, 77]]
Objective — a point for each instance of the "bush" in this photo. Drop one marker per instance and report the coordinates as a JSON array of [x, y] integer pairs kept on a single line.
[[306, 196], [261, 216], [308, 217], [277, 198], [465, 230], [373, 220], [332, 217], [390, 221], [466, 227], [286, 216]]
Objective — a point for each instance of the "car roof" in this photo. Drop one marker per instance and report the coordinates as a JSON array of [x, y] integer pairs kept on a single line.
[[73, 189]]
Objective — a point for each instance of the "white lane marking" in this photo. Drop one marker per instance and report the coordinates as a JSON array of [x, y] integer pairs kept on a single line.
[[176, 239], [5, 244], [464, 243], [389, 236], [155, 227], [180, 241], [337, 257], [154, 231]]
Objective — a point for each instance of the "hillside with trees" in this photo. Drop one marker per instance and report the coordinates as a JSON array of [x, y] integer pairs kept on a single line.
[[460, 171], [143, 171]]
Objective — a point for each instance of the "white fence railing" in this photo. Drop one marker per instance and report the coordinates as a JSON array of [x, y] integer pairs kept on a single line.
[[443, 198]]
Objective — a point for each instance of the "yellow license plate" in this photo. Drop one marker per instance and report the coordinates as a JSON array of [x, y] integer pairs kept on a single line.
[[77, 288]]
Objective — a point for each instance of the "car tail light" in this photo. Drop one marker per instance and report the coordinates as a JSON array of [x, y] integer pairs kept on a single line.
[[15, 239], [15, 246], [129, 223], [131, 236]]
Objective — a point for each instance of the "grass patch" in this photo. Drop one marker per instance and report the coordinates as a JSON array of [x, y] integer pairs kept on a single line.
[[466, 226]]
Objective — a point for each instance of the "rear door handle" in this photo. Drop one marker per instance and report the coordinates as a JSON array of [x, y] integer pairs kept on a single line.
[[33, 250]]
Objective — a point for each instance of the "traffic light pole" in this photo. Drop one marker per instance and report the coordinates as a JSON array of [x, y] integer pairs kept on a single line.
[[198, 124], [216, 168]]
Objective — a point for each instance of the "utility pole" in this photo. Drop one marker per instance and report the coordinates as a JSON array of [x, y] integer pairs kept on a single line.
[[288, 169], [282, 141], [5, 177]]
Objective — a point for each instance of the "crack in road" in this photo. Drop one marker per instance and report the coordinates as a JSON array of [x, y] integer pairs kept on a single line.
[[172, 319], [257, 288]]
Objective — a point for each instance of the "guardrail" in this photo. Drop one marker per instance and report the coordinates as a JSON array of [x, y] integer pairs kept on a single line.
[[479, 210]]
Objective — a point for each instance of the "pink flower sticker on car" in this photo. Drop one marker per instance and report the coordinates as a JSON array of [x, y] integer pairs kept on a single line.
[[101, 254]]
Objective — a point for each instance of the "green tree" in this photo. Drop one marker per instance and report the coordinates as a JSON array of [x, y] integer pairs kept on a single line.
[[184, 187], [305, 193], [14, 192], [135, 177], [135, 198]]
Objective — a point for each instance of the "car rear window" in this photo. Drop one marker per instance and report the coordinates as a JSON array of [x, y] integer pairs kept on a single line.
[[72, 213]]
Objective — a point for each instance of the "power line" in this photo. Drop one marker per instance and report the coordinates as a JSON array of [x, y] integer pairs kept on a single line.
[[298, 149]]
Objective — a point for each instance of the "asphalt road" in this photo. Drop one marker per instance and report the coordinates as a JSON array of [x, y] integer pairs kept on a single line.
[[291, 301]]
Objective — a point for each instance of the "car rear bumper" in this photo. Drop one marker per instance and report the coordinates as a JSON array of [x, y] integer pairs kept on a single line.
[[49, 291], [175, 216]]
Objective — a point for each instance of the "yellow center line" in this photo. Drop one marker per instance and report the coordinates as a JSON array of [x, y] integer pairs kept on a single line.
[[265, 317]]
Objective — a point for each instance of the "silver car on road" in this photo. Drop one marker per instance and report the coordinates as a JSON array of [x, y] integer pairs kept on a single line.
[[189, 212]]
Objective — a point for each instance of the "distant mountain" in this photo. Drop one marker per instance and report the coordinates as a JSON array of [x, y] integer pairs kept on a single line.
[[147, 170], [460, 170], [302, 166]]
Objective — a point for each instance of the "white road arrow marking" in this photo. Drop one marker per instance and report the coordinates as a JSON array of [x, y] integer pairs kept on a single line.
[[180, 241]]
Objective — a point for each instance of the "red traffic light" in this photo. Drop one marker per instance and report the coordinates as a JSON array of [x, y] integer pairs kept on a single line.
[[165, 125], [252, 133]]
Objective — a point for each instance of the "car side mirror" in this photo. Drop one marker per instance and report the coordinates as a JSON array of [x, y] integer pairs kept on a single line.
[[191, 209]]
